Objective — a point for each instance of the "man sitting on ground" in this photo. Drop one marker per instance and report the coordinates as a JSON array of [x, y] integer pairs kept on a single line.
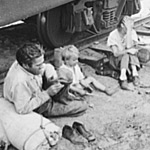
[[23, 86]]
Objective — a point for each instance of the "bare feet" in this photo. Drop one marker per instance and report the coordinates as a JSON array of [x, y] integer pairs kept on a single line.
[[111, 91]]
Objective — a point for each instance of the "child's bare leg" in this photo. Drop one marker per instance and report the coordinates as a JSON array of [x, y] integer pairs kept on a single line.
[[134, 70], [99, 86], [96, 84]]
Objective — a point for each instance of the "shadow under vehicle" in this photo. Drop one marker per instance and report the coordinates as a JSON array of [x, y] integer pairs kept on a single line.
[[58, 21]]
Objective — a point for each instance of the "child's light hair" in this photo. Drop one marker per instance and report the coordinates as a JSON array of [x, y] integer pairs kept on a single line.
[[69, 51]]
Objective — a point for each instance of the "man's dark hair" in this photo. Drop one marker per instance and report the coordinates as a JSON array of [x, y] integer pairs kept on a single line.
[[28, 52]]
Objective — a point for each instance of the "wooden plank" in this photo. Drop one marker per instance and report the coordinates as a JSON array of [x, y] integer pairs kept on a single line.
[[101, 48]]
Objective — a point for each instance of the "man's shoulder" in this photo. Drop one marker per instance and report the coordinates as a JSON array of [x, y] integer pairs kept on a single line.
[[15, 73]]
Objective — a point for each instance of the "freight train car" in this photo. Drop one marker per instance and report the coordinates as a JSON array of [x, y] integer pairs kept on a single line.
[[58, 21]]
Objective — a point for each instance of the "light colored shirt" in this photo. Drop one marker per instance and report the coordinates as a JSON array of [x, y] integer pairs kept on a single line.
[[115, 39], [76, 72], [25, 89]]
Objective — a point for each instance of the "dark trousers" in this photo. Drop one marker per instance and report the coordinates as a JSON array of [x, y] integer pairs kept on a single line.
[[62, 104], [56, 109]]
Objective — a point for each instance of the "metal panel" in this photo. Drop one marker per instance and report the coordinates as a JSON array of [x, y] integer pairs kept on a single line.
[[120, 8], [14, 10]]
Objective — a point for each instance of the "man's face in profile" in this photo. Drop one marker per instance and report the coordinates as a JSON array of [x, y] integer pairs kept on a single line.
[[37, 66]]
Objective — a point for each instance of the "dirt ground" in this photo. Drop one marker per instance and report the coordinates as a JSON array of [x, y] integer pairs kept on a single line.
[[119, 122]]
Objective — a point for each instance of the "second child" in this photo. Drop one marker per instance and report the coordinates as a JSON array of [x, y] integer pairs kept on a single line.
[[70, 70]]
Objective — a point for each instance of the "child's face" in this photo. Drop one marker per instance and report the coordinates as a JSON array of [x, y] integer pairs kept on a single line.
[[128, 23], [72, 61]]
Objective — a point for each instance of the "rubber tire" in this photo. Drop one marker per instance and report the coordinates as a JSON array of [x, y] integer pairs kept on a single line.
[[50, 31]]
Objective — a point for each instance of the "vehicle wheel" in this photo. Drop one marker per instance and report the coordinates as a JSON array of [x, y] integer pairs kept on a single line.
[[50, 29]]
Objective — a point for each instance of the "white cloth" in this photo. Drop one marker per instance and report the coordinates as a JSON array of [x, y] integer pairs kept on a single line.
[[23, 131]]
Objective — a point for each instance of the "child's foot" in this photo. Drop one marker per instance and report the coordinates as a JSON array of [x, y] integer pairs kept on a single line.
[[111, 91]]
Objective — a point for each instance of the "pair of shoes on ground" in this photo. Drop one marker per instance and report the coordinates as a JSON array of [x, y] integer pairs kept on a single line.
[[126, 86], [74, 133]]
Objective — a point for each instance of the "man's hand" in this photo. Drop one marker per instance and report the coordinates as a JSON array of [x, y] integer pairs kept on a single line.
[[132, 51], [54, 89]]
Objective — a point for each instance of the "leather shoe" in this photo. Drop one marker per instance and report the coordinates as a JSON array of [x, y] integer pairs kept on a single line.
[[70, 134], [80, 128], [136, 81], [126, 86]]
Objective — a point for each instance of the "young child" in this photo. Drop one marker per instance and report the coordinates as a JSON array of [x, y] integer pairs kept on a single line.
[[122, 41], [70, 70]]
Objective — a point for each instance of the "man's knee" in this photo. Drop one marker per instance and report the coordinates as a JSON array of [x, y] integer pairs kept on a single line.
[[72, 108], [80, 106]]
